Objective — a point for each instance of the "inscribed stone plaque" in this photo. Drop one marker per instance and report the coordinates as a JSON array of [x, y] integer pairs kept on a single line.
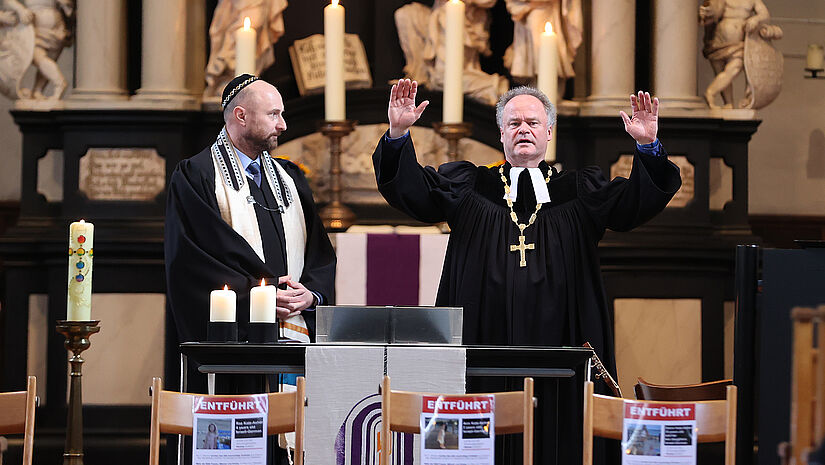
[[133, 174], [683, 197], [308, 62]]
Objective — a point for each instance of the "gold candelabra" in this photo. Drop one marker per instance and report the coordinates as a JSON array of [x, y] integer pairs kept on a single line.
[[453, 132], [335, 215], [77, 335]]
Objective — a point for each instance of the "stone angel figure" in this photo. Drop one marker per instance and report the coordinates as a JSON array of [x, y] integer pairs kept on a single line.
[[34, 33], [421, 31], [266, 17], [737, 37]]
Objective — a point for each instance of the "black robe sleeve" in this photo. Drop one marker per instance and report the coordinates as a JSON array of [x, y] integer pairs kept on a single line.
[[424, 193], [624, 203]]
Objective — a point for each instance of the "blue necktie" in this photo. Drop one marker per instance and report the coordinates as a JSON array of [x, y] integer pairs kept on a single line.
[[255, 171]]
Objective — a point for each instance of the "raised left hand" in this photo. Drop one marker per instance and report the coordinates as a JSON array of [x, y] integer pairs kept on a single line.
[[644, 124], [291, 302]]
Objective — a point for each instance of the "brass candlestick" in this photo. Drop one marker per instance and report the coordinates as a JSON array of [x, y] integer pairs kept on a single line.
[[453, 132], [77, 335], [335, 215]]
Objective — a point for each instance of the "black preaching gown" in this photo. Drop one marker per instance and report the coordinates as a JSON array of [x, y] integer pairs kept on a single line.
[[202, 253], [558, 298]]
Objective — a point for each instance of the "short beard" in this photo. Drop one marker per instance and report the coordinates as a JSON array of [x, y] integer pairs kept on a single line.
[[260, 145]]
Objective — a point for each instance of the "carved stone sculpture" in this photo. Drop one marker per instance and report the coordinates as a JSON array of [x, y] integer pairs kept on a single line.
[[34, 33], [738, 37], [266, 17], [529, 17], [421, 32]]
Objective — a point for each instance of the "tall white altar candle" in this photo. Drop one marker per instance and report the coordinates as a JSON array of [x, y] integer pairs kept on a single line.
[[454, 62], [548, 77], [263, 303], [222, 303], [81, 243], [816, 57], [246, 41], [335, 86]]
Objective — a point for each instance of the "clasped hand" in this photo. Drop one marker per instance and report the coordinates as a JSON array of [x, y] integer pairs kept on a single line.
[[292, 301]]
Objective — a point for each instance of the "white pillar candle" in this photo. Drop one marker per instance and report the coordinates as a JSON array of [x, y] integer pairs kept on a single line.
[[263, 303], [335, 85], [222, 303], [81, 241], [548, 77], [246, 40], [816, 57], [454, 62]]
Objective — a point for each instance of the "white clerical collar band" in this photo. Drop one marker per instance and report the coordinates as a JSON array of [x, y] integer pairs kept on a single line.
[[232, 93], [539, 185]]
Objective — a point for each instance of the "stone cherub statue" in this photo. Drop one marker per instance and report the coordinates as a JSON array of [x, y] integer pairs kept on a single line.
[[266, 17], [529, 17], [421, 32], [34, 32], [737, 36]]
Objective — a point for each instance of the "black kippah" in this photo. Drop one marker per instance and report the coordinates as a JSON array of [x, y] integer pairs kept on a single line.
[[235, 86]]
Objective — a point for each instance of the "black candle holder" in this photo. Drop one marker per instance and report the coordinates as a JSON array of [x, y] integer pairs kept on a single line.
[[222, 331], [262, 332]]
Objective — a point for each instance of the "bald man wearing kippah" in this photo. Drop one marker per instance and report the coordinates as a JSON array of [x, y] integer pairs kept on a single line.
[[236, 214]]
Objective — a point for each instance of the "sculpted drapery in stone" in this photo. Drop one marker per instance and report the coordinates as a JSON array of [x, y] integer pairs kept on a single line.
[[421, 32], [51, 21], [266, 17], [729, 26], [529, 17]]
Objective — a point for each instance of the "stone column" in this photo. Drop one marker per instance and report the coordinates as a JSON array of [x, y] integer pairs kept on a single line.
[[101, 54], [196, 40], [612, 66], [675, 34], [163, 63]]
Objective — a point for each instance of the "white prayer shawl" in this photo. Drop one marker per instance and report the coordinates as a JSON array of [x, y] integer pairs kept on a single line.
[[233, 196]]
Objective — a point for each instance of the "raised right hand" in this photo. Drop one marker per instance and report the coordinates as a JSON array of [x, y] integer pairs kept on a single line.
[[402, 112]]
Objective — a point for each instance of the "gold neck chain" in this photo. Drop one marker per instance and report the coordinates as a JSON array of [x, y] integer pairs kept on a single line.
[[521, 247]]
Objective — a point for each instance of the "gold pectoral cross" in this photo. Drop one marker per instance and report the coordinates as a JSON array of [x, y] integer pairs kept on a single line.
[[522, 249]]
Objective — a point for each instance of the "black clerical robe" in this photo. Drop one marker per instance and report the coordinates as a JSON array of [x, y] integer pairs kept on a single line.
[[558, 298], [203, 252]]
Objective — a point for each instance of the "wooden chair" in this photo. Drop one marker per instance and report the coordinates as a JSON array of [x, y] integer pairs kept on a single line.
[[172, 413], [713, 390], [17, 416], [604, 417], [807, 385], [401, 411]]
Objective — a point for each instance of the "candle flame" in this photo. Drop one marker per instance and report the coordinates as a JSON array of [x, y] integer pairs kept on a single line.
[[548, 27], [455, 1], [246, 23], [81, 221], [334, 3], [225, 287], [263, 282]]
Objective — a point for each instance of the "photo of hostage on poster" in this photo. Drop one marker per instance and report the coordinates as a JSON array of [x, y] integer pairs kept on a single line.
[[659, 434], [457, 430], [229, 430]]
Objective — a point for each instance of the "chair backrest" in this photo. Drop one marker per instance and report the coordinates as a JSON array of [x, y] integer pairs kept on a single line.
[[401, 411], [604, 417], [713, 390], [17, 416], [808, 382], [172, 413]]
